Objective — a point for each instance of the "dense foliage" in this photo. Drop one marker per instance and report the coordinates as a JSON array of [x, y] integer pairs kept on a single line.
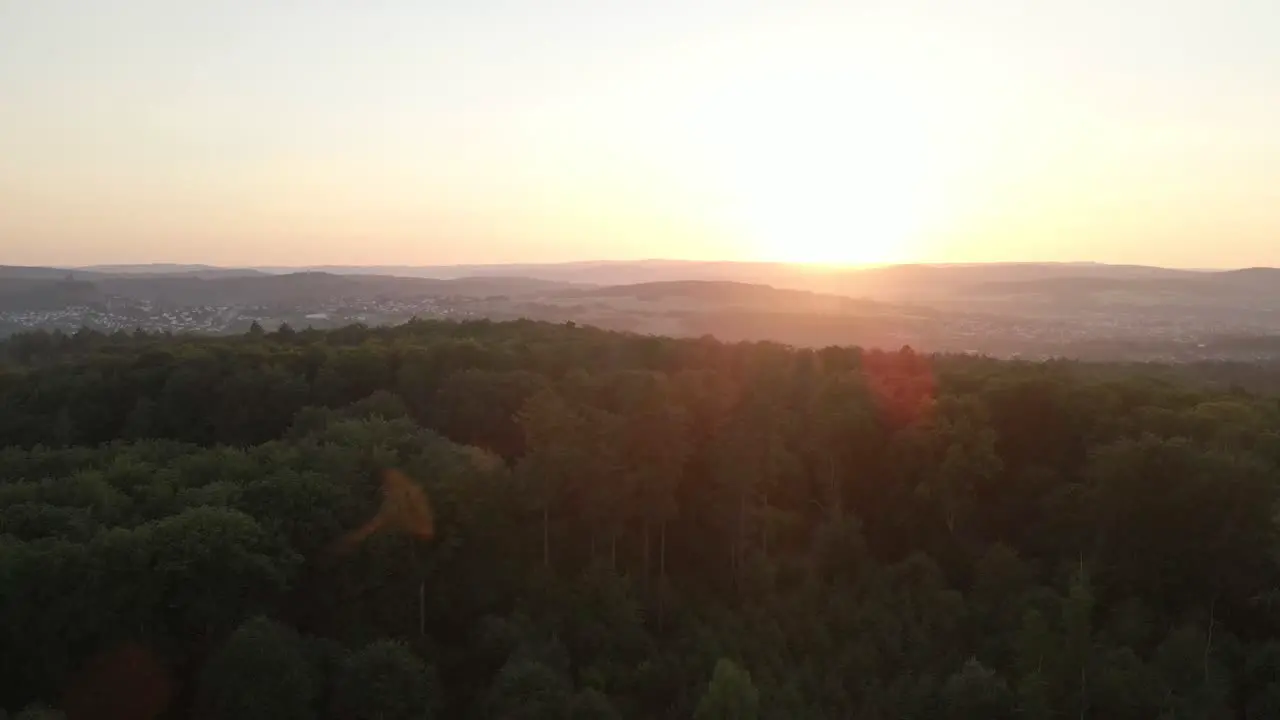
[[627, 527]]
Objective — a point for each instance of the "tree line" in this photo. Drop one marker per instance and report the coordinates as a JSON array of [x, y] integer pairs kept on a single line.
[[626, 527]]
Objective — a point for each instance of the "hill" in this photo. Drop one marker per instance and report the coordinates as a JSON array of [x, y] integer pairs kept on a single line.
[[38, 293], [1036, 310], [171, 270], [18, 272], [900, 279], [711, 293], [28, 288]]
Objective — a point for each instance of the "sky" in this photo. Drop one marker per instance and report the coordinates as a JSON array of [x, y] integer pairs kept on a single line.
[[420, 132]]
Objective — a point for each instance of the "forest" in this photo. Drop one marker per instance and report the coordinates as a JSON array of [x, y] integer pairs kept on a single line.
[[527, 521]]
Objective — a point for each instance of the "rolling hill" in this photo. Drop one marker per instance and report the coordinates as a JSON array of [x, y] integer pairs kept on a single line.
[[1040, 309], [48, 288]]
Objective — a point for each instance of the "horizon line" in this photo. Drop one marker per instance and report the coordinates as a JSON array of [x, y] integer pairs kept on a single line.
[[830, 267]]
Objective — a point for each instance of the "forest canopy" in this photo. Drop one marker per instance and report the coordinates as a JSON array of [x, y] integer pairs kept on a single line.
[[622, 526]]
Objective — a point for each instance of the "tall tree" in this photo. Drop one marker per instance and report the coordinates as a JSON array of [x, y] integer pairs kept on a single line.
[[551, 429]]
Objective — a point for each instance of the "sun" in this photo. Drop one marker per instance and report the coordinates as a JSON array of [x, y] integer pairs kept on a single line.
[[828, 178], [833, 219], [836, 199]]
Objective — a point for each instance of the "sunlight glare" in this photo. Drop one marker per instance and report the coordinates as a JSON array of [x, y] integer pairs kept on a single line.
[[823, 177]]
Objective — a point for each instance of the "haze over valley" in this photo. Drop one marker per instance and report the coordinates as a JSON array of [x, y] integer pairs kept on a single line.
[[1082, 310]]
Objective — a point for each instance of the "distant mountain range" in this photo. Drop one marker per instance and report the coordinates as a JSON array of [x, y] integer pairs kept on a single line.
[[1028, 285], [27, 288], [1040, 308], [172, 270], [900, 282], [809, 277]]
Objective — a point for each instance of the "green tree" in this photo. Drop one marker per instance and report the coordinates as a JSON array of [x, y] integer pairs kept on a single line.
[[976, 693], [1035, 655], [729, 696], [550, 428], [260, 672], [1193, 681], [384, 681], [210, 567], [592, 705], [529, 690], [481, 407], [1078, 643], [751, 459]]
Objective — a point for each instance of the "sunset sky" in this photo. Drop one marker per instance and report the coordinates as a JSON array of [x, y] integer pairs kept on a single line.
[[427, 132]]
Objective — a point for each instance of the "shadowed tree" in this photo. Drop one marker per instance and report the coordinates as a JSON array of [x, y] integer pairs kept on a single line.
[[529, 690], [976, 693], [260, 672], [551, 430], [592, 705], [384, 681], [729, 696]]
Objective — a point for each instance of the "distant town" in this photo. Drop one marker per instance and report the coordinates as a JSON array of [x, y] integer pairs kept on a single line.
[[1032, 312], [123, 314]]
